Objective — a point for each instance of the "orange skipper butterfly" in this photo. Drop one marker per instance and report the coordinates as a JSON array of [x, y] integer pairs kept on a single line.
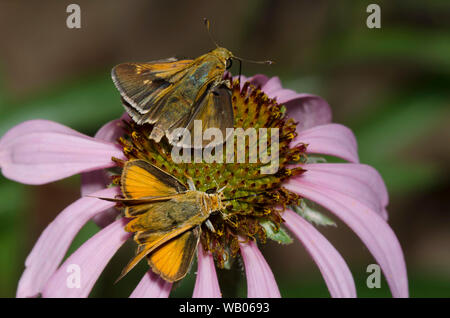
[[166, 218]]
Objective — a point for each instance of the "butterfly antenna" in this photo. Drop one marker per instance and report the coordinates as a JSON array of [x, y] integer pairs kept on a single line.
[[268, 62], [207, 25], [244, 197]]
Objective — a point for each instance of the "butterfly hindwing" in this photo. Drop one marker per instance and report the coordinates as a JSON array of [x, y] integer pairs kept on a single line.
[[151, 242], [215, 111], [173, 260]]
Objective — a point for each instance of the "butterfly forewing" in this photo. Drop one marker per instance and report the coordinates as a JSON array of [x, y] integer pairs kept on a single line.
[[141, 179], [144, 85]]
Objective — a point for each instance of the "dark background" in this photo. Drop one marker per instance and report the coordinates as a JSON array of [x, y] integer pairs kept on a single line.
[[389, 85]]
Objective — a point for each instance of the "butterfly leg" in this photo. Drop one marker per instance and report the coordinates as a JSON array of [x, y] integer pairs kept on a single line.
[[190, 182], [156, 134], [221, 189], [210, 226]]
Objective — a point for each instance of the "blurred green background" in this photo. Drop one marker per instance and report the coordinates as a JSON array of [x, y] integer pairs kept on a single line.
[[390, 85]]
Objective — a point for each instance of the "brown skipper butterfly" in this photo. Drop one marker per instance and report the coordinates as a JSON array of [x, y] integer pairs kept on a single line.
[[166, 218], [172, 93]]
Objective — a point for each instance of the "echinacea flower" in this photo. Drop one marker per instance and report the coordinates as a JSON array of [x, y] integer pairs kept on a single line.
[[40, 151]]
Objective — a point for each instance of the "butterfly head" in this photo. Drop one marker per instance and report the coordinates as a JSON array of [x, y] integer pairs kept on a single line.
[[223, 55]]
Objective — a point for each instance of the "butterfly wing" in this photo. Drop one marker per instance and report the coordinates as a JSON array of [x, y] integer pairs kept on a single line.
[[162, 222], [149, 242], [144, 183], [142, 179], [214, 111], [173, 259], [144, 85]]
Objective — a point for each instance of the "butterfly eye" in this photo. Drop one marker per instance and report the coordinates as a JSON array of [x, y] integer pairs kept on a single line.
[[229, 63], [211, 191]]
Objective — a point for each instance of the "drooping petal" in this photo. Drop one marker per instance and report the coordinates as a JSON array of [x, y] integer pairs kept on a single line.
[[112, 130], [152, 286], [54, 242], [308, 110], [272, 86], [41, 151], [361, 172], [37, 125], [260, 280], [88, 261], [93, 181], [99, 179], [96, 180], [334, 270], [206, 284], [258, 80], [385, 214], [332, 139], [367, 224], [341, 178], [90, 182]]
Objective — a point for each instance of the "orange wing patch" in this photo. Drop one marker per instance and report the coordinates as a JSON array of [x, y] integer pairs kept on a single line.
[[140, 179], [152, 242], [164, 70], [173, 260]]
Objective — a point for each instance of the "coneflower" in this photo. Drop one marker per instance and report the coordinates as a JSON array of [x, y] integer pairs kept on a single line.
[[261, 206]]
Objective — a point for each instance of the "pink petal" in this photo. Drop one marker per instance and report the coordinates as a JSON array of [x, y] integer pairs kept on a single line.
[[260, 280], [345, 180], [37, 125], [334, 270], [38, 152], [308, 110], [206, 284], [99, 179], [96, 180], [332, 139], [91, 258], [152, 286], [54, 242], [112, 130], [367, 224], [361, 172], [385, 214], [272, 86], [258, 80]]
